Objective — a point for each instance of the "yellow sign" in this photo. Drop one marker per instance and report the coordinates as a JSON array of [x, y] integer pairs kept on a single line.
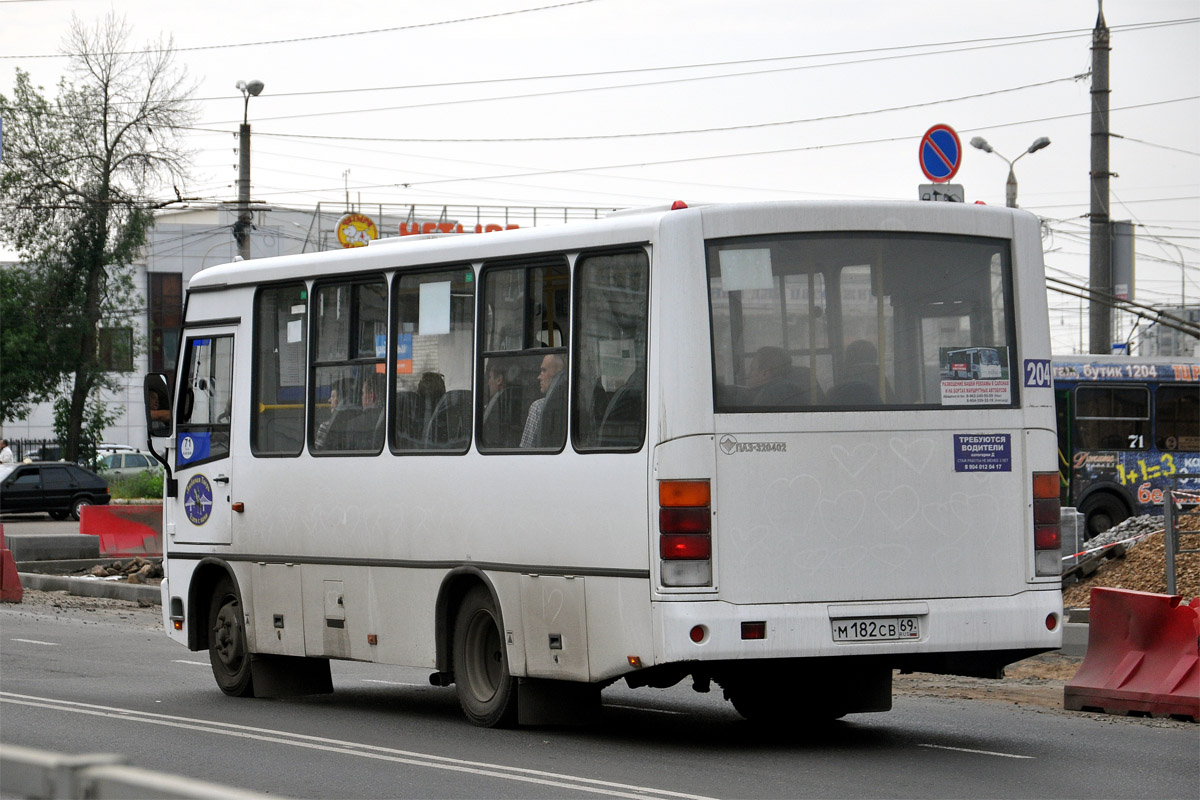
[[356, 230]]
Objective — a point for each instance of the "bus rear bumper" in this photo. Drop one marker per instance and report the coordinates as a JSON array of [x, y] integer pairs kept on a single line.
[[973, 636]]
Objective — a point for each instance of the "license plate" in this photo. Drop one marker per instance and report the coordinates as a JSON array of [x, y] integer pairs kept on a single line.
[[875, 629]]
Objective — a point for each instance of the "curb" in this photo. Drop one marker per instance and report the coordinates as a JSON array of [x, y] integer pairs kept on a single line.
[[93, 587]]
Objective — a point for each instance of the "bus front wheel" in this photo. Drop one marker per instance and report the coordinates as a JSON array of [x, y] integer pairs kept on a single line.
[[227, 649], [486, 691], [1101, 511]]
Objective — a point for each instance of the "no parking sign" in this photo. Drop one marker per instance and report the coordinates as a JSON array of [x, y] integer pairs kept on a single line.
[[940, 153]]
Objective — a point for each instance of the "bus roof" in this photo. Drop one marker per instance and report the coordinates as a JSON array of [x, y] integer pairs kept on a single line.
[[815, 215]]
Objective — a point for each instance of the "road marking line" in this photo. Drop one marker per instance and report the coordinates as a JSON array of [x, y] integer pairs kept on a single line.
[[35, 641], [194, 663], [502, 771], [977, 752]]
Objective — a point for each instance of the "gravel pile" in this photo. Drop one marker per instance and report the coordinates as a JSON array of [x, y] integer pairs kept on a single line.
[[1144, 566]]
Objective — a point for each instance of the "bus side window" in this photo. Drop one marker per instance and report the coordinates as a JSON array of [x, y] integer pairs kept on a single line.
[[610, 366], [525, 316], [348, 371], [435, 330], [1177, 418], [1112, 417]]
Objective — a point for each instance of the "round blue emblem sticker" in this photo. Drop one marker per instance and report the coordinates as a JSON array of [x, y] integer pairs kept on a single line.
[[198, 500]]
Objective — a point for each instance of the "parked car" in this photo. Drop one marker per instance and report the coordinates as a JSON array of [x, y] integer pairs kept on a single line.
[[125, 461], [57, 488]]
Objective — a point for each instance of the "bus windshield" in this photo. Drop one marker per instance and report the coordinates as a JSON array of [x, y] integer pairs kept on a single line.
[[838, 321]]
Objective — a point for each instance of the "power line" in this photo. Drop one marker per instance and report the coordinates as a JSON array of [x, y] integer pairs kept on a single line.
[[347, 34], [644, 134]]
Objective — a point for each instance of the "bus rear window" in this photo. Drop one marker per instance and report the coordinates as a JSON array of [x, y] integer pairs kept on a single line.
[[844, 321]]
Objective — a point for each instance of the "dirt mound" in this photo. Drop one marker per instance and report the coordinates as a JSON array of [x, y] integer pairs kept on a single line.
[[1143, 568]]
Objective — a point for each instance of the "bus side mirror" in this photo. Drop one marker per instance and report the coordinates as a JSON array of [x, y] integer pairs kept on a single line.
[[158, 405]]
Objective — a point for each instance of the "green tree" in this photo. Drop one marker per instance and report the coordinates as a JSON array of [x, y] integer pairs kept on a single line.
[[76, 184]]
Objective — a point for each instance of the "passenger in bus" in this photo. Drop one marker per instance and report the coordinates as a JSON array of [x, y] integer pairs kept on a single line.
[[366, 429], [502, 425], [859, 384], [322, 438], [547, 415], [774, 381]]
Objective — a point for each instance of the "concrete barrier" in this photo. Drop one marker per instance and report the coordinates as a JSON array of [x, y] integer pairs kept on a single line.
[[52, 546], [26, 772], [1143, 656], [94, 587], [124, 530]]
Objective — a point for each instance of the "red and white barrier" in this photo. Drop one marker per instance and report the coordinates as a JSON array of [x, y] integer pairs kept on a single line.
[[1143, 656], [11, 590]]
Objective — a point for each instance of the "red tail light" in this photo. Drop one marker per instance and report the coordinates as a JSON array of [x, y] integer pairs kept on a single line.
[[674, 546], [685, 533], [1047, 536], [684, 520]]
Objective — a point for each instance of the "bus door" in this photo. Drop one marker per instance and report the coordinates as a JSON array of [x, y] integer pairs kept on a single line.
[[205, 408]]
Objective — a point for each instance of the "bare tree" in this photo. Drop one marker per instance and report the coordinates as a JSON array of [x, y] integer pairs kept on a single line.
[[76, 189]]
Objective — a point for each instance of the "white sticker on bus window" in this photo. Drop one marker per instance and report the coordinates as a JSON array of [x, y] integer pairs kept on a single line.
[[435, 309], [295, 330], [298, 309], [745, 269]]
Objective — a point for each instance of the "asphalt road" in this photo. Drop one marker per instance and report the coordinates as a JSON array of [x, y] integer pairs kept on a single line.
[[100, 681]]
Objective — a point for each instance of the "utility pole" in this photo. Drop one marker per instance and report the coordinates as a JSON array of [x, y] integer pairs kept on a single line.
[[241, 228], [1099, 312]]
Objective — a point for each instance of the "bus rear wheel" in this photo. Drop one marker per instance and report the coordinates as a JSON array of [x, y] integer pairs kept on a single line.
[[486, 690], [227, 649]]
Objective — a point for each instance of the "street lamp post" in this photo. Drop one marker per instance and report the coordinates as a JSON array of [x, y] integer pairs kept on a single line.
[[241, 228], [1010, 188]]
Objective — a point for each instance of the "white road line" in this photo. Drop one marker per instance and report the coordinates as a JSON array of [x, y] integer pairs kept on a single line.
[[35, 641], [194, 663], [969, 750], [501, 771]]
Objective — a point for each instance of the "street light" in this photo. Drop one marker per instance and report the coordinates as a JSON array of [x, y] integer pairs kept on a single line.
[[241, 228], [1010, 188]]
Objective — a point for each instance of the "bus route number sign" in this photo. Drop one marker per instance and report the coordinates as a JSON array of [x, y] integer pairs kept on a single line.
[[1037, 373]]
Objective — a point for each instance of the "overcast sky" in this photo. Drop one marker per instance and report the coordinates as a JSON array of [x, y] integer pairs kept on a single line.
[[613, 103]]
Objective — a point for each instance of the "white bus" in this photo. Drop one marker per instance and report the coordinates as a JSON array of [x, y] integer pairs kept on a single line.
[[708, 442]]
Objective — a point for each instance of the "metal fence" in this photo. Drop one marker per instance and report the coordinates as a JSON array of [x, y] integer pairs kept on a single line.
[[48, 449], [1181, 513]]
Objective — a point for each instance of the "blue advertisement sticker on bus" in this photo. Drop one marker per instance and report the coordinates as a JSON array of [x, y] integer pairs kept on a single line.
[[1037, 373], [982, 452], [198, 500], [192, 447]]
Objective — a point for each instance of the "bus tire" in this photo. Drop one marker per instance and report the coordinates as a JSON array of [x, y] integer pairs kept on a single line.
[[486, 690], [227, 649], [1102, 511]]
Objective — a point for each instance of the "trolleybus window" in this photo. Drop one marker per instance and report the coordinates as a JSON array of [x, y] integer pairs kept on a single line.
[[435, 328], [1178, 418], [859, 320], [610, 360], [1112, 417], [280, 336], [526, 319], [349, 379]]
